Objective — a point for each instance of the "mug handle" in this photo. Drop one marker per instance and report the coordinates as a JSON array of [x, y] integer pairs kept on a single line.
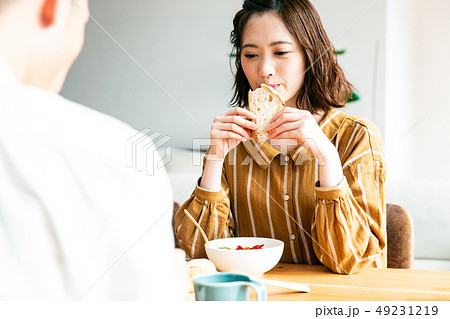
[[261, 291]]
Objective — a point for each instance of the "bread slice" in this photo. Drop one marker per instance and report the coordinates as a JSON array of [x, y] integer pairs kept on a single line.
[[196, 267], [264, 102]]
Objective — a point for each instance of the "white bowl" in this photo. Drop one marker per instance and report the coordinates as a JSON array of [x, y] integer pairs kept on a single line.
[[252, 262]]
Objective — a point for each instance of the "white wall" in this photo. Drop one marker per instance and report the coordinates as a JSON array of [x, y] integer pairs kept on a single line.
[[400, 73], [359, 27], [430, 131], [417, 86], [184, 45]]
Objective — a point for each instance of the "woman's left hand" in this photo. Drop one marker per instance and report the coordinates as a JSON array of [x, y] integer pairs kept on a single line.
[[293, 123]]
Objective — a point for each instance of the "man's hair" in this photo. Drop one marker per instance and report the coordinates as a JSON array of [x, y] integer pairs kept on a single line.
[[4, 3], [325, 84]]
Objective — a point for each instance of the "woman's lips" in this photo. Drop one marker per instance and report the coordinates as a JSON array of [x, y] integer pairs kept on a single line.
[[273, 86]]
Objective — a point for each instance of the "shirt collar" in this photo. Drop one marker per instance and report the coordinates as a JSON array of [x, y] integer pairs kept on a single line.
[[264, 154]]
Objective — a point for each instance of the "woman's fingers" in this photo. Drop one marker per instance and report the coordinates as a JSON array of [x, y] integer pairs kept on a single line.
[[236, 116], [277, 115], [286, 110], [238, 121], [283, 118], [229, 135], [240, 112], [292, 123], [286, 127], [231, 127]]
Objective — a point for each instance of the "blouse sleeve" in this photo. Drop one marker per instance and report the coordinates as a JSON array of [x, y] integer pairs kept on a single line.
[[212, 212], [349, 223]]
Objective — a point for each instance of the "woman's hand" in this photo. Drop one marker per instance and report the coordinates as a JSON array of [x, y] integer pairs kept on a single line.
[[228, 130], [292, 123]]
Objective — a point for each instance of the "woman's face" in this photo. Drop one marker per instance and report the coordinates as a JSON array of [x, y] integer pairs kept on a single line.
[[271, 55]]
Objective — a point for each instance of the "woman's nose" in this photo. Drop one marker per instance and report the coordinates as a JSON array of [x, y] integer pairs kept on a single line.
[[266, 68]]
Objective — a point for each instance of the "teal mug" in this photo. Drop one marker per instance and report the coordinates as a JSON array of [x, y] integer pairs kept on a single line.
[[222, 286]]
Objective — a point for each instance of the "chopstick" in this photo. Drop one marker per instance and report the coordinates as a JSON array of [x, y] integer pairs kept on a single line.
[[196, 225]]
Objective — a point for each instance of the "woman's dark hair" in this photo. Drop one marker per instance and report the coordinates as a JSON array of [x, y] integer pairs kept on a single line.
[[325, 84]]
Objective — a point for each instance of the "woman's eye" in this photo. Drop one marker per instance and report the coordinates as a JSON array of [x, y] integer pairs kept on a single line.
[[281, 53], [250, 56]]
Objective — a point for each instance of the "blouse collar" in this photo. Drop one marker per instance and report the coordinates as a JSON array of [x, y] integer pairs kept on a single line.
[[264, 154]]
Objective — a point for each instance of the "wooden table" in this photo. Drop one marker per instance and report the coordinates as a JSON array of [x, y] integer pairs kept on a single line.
[[370, 284]]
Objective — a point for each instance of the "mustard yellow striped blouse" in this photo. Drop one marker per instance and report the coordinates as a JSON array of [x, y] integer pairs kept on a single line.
[[269, 194]]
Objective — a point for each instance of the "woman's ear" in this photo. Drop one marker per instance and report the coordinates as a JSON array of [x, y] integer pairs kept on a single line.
[[48, 13]]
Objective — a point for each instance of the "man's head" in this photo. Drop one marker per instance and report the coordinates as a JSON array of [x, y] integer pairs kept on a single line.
[[3, 3], [40, 39]]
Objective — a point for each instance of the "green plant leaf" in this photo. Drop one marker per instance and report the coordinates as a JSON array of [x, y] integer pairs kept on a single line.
[[339, 52], [353, 97]]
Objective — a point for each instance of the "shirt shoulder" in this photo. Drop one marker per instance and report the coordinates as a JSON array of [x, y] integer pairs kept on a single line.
[[44, 118], [359, 139], [351, 121], [50, 126]]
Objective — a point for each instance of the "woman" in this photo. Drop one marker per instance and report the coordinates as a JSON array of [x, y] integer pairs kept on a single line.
[[318, 182]]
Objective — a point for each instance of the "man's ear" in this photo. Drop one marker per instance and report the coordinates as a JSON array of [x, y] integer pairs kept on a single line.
[[48, 13]]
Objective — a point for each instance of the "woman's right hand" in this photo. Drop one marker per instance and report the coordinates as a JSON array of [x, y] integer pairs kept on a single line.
[[228, 130]]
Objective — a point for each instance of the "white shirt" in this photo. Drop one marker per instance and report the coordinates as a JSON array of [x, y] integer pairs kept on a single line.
[[75, 221]]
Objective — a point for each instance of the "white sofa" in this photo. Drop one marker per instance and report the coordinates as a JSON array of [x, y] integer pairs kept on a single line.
[[184, 170], [425, 200]]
